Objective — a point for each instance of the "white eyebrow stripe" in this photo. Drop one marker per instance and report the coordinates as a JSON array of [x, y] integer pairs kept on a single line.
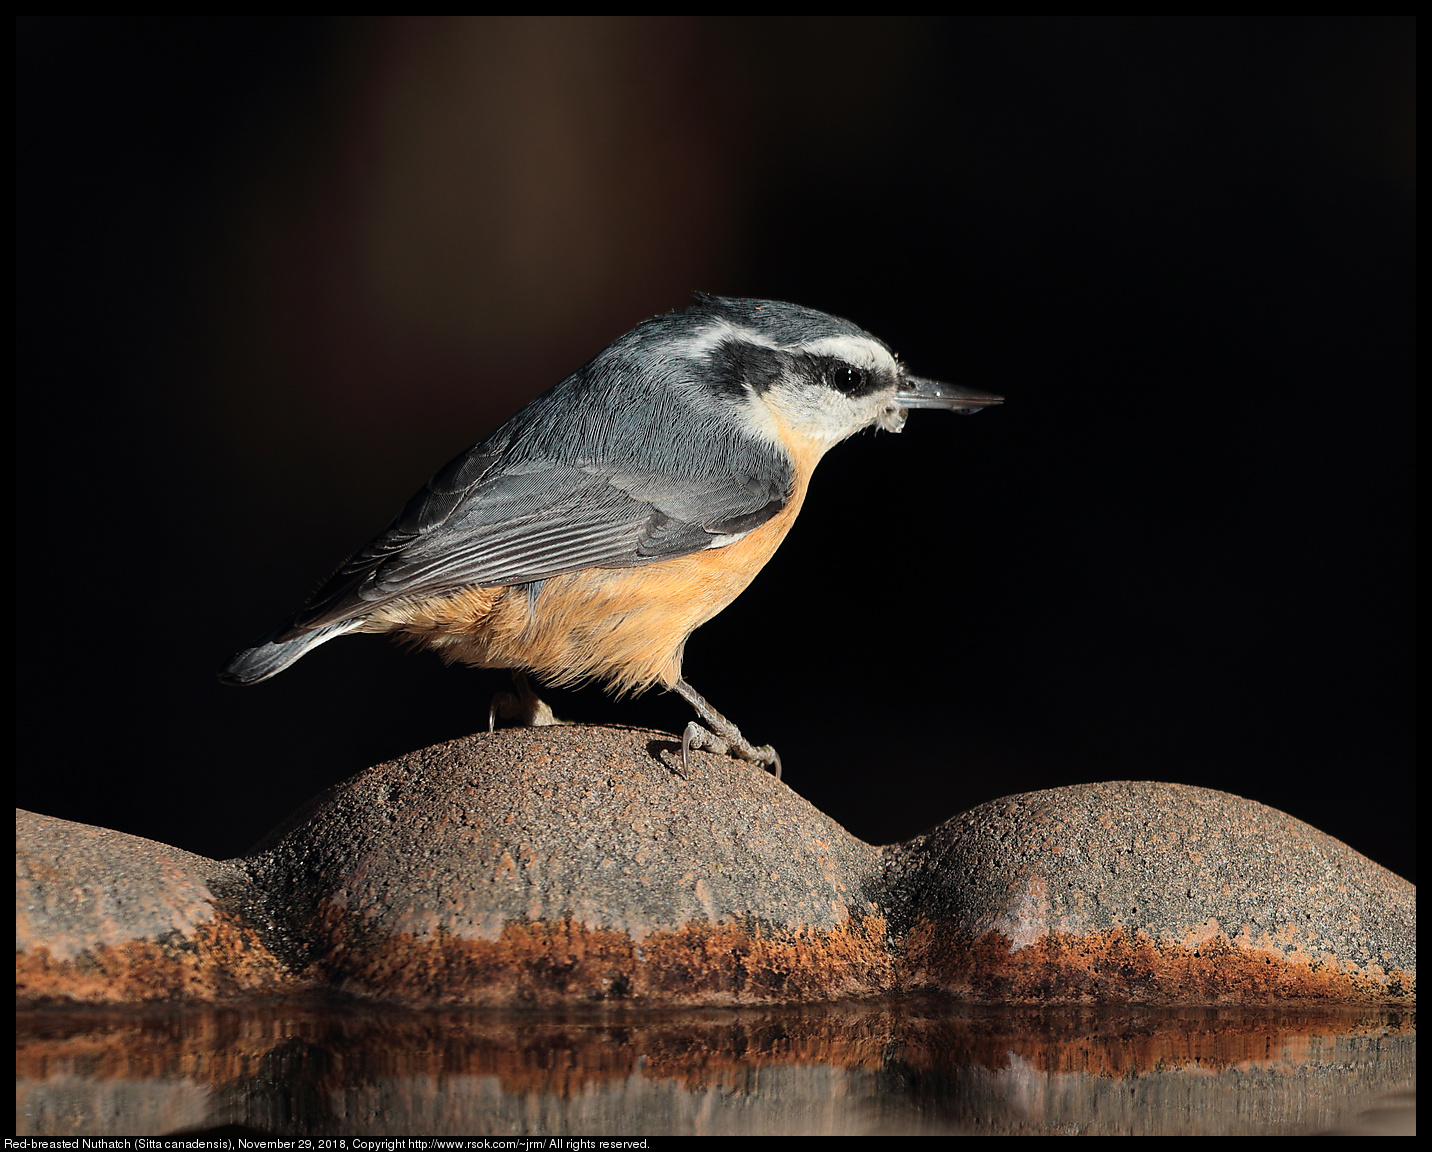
[[718, 332], [855, 350]]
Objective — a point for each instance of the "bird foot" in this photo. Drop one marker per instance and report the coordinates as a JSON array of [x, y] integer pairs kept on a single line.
[[735, 745], [524, 707]]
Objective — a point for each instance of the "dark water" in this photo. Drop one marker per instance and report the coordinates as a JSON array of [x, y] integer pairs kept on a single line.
[[884, 1068]]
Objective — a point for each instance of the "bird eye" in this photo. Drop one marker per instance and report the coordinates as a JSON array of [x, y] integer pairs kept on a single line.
[[847, 379]]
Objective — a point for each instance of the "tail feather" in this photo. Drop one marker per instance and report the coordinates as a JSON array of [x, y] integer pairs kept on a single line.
[[271, 656]]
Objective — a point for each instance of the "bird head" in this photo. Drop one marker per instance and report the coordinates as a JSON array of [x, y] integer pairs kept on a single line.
[[796, 374]]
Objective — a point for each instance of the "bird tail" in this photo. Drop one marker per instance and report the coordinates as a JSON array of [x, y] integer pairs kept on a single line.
[[271, 655]]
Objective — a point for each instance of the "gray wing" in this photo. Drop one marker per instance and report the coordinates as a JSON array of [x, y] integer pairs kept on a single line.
[[486, 520]]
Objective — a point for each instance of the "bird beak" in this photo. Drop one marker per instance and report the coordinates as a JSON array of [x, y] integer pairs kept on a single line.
[[917, 392]]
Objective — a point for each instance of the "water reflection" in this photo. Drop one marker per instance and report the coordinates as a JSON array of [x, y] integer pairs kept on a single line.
[[891, 1067]]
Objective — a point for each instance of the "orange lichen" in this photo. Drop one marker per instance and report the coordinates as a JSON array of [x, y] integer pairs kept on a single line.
[[564, 963], [223, 961], [1116, 967]]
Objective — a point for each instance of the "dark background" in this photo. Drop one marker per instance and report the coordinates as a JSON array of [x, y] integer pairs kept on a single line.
[[272, 274]]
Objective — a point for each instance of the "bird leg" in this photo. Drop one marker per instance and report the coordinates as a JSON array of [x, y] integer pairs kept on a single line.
[[720, 735], [524, 706]]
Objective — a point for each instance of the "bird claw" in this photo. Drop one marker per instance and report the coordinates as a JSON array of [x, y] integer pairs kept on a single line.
[[524, 706], [503, 704], [695, 736]]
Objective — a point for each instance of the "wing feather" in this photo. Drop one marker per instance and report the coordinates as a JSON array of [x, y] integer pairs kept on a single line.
[[479, 523]]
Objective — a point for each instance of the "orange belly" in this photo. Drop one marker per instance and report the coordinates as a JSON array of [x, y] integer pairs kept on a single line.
[[625, 626]]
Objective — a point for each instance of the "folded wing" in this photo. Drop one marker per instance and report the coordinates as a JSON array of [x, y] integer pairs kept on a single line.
[[486, 521]]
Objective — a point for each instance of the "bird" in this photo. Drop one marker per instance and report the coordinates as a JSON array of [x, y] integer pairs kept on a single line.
[[594, 531]]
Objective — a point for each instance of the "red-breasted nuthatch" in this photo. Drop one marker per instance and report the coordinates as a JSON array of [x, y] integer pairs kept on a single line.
[[592, 533]]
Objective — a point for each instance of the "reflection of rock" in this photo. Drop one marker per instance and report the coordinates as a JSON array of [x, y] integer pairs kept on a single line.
[[571, 865], [1148, 893], [887, 1066]]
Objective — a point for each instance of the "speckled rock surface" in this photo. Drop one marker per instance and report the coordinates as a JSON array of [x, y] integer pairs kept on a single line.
[[1140, 892], [103, 917], [571, 865], [565, 864]]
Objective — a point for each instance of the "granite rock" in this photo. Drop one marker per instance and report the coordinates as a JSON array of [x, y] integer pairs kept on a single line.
[[570, 865], [564, 864], [1149, 893], [104, 917]]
